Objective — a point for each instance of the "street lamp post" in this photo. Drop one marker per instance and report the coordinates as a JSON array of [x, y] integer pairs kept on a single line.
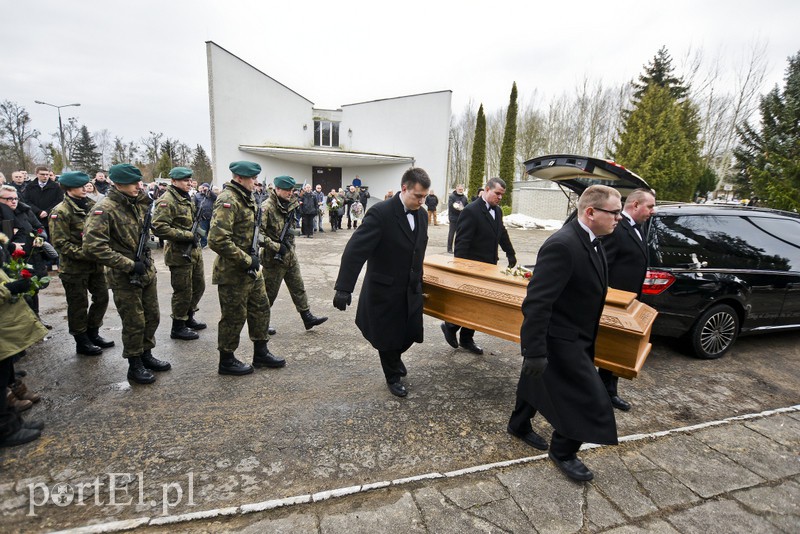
[[64, 166]]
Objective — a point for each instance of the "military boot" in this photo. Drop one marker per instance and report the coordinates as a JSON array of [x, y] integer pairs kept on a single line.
[[138, 373], [154, 364], [180, 331], [95, 338], [262, 357], [83, 345], [310, 320], [193, 324], [229, 365]]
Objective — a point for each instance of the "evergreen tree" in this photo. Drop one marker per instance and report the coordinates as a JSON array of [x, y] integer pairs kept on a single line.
[[201, 166], [508, 151], [769, 160], [163, 166], [85, 156], [707, 183], [476, 168], [660, 137], [119, 153]]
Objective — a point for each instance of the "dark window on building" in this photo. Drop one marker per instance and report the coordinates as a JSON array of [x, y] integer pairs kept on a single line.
[[326, 133]]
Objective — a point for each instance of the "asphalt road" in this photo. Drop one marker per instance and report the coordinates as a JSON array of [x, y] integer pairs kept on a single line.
[[325, 421]]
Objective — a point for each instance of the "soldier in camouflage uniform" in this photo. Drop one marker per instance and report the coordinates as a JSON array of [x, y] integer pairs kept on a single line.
[[79, 275], [173, 217], [111, 237], [278, 258], [237, 273]]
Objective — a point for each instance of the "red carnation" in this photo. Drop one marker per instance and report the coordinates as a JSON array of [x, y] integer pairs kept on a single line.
[[528, 275], [40, 231], [19, 253], [25, 273]]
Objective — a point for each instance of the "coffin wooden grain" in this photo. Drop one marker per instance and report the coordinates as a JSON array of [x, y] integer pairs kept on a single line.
[[480, 296]]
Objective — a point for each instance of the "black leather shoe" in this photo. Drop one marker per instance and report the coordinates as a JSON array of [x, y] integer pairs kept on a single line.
[[471, 346], [229, 365], [262, 357], [192, 323], [397, 389], [181, 331], [33, 425], [574, 469], [403, 371], [271, 331], [531, 438], [138, 373], [449, 336], [310, 320], [94, 337], [619, 403], [83, 345], [23, 435], [154, 364]]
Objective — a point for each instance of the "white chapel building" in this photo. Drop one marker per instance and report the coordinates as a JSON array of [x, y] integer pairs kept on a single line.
[[256, 118]]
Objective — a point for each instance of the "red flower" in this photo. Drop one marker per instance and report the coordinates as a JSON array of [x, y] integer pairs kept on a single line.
[[40, 231], [528, 275], [19, 253], [25, 273]]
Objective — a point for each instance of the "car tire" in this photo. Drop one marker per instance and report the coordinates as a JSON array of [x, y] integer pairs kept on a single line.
[[714, 332]]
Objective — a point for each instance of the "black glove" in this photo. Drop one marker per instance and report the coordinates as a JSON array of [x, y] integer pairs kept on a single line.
[[139, 268], [283, 250], [342, 300], [512, 261], [19, 286], [534, 367], [254, 263]]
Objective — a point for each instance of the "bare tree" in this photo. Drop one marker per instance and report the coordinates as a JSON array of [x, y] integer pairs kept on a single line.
[[105, 145], [462, 134], [15, 127]]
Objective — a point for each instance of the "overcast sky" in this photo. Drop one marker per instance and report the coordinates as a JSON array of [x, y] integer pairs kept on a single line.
[[140, 65]]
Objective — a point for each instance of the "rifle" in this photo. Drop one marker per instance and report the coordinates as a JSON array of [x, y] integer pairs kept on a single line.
[[289, 218], [144, 237], [252, 273], [187, 252]]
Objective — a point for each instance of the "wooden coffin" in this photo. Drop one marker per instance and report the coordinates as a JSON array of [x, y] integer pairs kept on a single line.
[[482, 297]]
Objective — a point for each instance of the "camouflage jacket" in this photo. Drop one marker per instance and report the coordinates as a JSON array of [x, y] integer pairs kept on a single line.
[[173, 217], [272, 221], [66, 233], [111, 236], [231, 233]]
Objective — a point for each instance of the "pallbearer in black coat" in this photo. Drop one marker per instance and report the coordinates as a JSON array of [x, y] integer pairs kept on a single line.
[[626, 253], [391, 240], [480, 231], [562, 313]]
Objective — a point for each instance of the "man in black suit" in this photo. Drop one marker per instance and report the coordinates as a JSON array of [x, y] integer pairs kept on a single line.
[[562, 312], [391, 239], [480, 230], [626, 253]]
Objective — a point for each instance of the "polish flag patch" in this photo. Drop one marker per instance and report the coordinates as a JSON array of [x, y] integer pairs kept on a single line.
[[98, 212], [54, 216], [163, 204], [226, 205]]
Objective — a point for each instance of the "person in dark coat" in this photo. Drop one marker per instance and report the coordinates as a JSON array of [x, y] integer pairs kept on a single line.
[[480, 230], [391, 240], [626, 253], [43, 195], [456, 202], [308, 210], [562, 313]]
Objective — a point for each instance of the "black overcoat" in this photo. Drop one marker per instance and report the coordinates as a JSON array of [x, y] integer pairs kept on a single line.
[[562, 312], [627, 258], [390, 304], [478, 234]]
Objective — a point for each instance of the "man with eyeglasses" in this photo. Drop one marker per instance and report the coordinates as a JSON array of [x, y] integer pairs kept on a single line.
[[480, 231], [626, 253], [562, 313]]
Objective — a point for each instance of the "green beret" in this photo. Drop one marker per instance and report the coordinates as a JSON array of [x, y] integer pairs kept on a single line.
[[284, 182], [245, 169], [180, 173], [73, 179], [124, 173]]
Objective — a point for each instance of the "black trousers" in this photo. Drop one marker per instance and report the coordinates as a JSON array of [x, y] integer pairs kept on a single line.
[[520, 421], [563, 448], [609, 381], [308, 224], [9, 420], [451, 234], [392, 363], [466, 335]]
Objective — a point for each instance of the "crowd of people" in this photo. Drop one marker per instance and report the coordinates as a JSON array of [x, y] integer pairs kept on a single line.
[[98, 233]]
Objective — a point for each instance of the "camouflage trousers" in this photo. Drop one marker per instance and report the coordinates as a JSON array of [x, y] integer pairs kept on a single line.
[[80, 314], [275, 272], [244, 301], [188, 286], [138, 310]]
